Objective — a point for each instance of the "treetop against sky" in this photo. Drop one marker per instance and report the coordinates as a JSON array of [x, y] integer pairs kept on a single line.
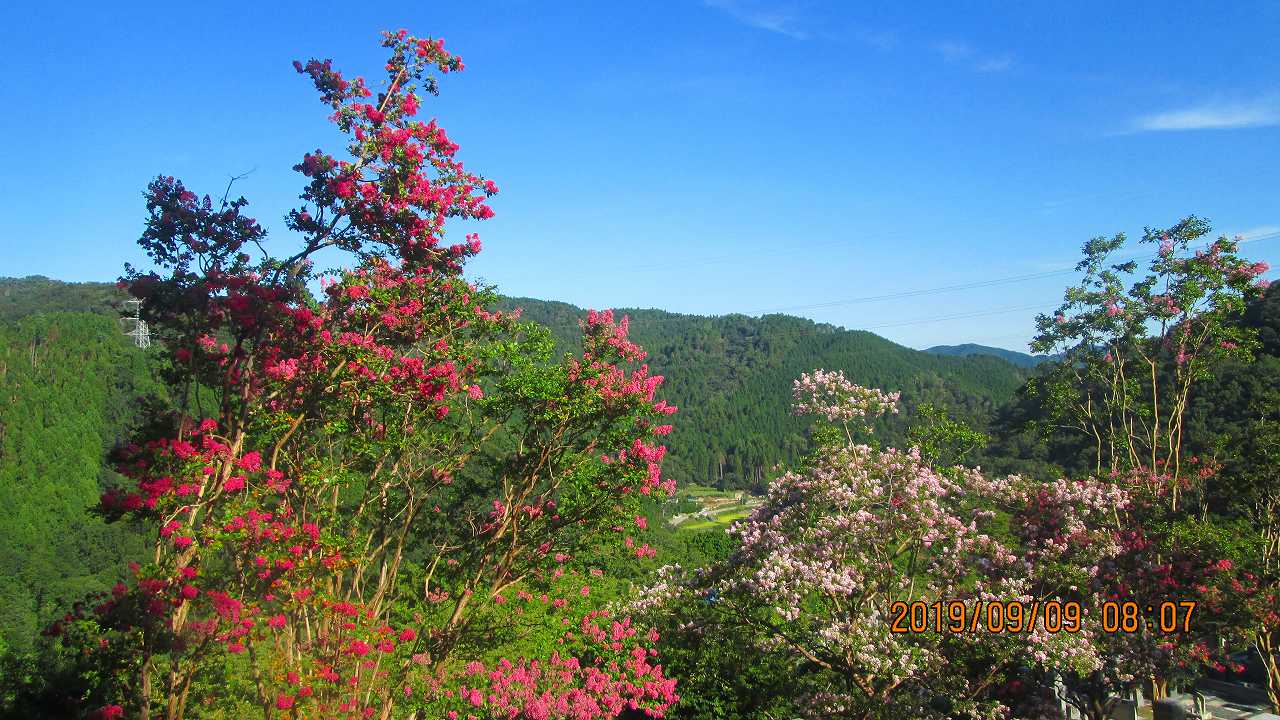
[[718, 156]]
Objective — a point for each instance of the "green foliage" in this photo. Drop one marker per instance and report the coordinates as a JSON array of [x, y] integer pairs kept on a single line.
[[722, 677], [69, 382], [48, 681], [942, 441], [1234, 422]]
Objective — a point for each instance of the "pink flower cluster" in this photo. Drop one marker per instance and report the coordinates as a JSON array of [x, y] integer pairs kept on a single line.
[[621, 676], [831, 395]]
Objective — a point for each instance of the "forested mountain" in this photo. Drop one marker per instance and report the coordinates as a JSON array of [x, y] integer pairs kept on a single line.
[[731, 378], [69, 383], [1021, 359], [35, 295]]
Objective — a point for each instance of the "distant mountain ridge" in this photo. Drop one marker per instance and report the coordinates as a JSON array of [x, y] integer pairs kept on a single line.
[[1021, 359]]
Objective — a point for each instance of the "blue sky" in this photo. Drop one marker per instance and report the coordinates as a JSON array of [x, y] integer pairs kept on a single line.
[[701, 157]]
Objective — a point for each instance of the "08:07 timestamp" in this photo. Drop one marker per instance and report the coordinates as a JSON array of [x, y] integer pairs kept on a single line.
[[995, 616]]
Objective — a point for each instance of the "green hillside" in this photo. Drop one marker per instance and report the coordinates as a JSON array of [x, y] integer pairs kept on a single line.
[[69, 381], [37, 295], [731, 378]]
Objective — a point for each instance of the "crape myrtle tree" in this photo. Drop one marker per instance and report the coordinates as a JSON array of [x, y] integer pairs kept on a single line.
[[809, 591], [1130, 359], [371, 504], [1130, 356]]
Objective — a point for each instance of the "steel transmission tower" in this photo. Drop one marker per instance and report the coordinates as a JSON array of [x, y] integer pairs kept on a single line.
[[140, 333]]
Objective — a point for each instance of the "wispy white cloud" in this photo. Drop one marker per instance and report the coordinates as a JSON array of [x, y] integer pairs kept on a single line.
[[882, 40], [761, 15], [1221, 116], [783, 18], [994, 64], [954, 51]]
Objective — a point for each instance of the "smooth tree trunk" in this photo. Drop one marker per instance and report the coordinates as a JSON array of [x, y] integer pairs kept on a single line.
[[1265, 643]]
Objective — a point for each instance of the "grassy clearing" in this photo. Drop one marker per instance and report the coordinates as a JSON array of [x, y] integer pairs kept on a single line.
[[722, 520]]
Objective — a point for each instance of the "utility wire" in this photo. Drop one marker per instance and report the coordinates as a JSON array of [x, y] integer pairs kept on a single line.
[[957, 316], [972, 285], [917, 293], [695, 262], [820, 327]]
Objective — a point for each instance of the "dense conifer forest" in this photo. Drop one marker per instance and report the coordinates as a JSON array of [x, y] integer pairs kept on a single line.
[[72, 386], [731, 377]]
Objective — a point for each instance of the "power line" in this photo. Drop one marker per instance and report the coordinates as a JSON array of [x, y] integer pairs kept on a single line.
[[843, 242], [917, 293], [971, 285], [956, 316], [942, 289]]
